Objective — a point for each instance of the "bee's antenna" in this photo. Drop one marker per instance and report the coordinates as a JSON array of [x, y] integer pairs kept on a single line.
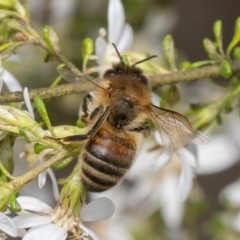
[[118, 53], [145, 59]]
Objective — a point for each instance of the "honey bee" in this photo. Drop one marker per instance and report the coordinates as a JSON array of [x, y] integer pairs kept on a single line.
[[117, 111]]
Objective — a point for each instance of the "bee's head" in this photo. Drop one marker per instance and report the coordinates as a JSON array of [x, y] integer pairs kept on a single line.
[[122, 68]]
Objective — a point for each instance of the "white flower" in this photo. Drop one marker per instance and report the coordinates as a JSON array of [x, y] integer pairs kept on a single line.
[[188, 158], [231, 193], [7, 226], [119, 33], [46, 223], [38, 159], [11, 82]]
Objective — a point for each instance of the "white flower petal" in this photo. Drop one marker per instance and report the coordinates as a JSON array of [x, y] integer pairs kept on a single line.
[[60, 234], [7, 212], [219, 154], [100, 49], [126, 39], [21, 232], [54, 183], [89, 232], [7, 225], [28, 102], [11, 82], [42, 177], [232, 193], [186, 179], [47, 232], [99, 209], [171, 208], [33, 204], [162, 160], [158, 138], [116, 20], [236, 222], [31, 220]]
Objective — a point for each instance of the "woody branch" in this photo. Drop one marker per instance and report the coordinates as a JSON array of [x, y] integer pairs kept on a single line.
[[155, 81]]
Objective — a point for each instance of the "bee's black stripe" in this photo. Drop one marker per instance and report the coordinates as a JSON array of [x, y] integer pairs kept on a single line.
[[91, 186], [102, 166], [98, 177]]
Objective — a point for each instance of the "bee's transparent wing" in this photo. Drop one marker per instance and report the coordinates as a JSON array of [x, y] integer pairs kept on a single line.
[[72, 77], [175, 130], [200, 138]]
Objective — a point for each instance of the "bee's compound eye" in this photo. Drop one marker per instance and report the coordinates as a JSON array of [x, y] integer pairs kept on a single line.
[[119, 71], [110, 73], [142, 79]]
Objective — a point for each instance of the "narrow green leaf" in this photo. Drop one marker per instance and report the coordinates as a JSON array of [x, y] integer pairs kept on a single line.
[[210, 49], [236, 37], [217, 30], [13, 203], [7, 49], [7, 3], [7, 13], [51, 38], [201, 64], [173, 95], [169, 51], [63, 163], [163, 101], [43, 112], [87, 50]]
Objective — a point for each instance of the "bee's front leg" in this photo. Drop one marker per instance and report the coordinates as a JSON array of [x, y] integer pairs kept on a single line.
[[85, 111], [91, 133]]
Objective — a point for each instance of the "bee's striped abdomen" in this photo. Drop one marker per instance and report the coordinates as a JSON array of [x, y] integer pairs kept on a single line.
[[106, 160]]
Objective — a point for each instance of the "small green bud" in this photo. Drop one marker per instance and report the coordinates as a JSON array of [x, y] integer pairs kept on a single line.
[[236, 53], [80, 124], [210, 49], [39, 148], [185, 65], [87, 50], [225, 69]]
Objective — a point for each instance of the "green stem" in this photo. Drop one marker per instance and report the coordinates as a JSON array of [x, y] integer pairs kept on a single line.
[[19, 182]]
